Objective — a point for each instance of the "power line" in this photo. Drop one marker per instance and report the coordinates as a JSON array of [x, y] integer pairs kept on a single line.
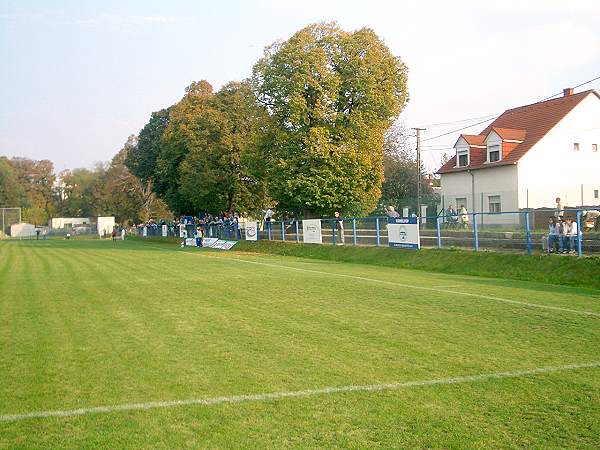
[[574, 87], [459, 129], [488, 118], [442, 124]]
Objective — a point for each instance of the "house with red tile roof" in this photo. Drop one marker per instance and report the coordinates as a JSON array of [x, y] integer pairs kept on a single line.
[[527, 157]]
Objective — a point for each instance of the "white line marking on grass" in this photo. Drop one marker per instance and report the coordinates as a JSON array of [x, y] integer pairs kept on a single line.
[[292, 394], [408, 286]]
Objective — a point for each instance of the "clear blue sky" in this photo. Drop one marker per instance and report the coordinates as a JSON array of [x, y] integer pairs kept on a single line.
[[77, 77]]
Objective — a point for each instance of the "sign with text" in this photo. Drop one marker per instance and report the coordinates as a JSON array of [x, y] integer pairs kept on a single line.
[[403, 232], [223, 245], [209, 242], [311, 230], [251, 231]]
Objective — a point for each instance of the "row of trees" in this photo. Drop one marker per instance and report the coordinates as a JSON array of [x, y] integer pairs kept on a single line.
[[306, 132], [106, 189], [311, 131]]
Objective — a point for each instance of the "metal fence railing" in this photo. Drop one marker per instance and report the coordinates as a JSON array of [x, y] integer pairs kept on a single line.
[[519, 231]]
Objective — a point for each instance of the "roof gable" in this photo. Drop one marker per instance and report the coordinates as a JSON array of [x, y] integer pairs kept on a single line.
[[526, 124], [509, 134]]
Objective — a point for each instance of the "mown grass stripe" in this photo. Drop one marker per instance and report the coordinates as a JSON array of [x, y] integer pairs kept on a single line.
[[409, 286], [294, 394]]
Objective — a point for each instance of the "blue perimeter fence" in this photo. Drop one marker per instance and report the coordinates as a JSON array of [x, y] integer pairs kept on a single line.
[[519, 231]]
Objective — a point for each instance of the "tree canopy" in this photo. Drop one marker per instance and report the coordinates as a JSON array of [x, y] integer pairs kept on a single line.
[[305, 134], [205, 151], [332, 94]]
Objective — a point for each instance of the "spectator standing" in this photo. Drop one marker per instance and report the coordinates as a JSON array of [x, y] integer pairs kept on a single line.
[[339, 225], [559, 212], [267, 218], [553, 236], [199, 236], [451, 216], [391, 212], [464, 217]]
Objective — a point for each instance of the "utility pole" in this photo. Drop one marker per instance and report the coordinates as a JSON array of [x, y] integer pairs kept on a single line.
[[418, 130]]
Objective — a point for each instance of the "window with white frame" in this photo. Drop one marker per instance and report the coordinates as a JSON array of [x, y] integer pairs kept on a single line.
[[575, 146], [460, 201], [494, 153], [462, 157], [594, 147], [494, 204]]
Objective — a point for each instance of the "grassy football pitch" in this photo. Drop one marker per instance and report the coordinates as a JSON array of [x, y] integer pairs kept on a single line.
[[144, 345]]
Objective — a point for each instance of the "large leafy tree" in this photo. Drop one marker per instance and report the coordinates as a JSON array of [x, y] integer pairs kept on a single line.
[[141, 157], [127, 197], [332, 94], [219, 173], [12, 192], [180, 136], [37, 179], [201, 153], [81, 191]]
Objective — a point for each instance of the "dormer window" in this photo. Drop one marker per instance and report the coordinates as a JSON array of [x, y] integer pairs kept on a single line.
[[462, 157], [494, 153]]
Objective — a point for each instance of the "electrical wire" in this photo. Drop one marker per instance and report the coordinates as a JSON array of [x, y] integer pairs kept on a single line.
[[458, 129], [488, 118], [574, 87], [443, 124]]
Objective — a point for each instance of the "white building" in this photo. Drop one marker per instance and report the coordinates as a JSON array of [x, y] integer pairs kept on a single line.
[[57, 223], [527, 157], [22, 230]]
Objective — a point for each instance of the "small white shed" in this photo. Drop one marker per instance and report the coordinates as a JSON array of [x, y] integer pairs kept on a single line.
[[22, 230]]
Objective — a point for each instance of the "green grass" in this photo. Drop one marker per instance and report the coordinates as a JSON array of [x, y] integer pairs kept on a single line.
[[553, 269], [94, 323]]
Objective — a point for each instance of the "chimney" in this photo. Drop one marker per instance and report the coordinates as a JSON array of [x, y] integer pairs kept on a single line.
[[567, 92]]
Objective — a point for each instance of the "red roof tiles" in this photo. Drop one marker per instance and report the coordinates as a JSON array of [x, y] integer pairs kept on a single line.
[[509, 133], [528, 124]]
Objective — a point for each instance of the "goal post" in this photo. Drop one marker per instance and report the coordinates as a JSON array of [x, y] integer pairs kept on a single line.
[[8, 217]]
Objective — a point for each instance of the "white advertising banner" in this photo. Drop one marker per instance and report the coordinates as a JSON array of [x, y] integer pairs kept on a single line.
[[209, 242], [311, 230], [403, 232], [251, 231], [164, 231], [223, 245], [105, 225]]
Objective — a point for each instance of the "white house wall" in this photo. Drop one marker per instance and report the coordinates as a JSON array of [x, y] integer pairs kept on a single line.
[[61, 222], [553, 169], [499, 181]]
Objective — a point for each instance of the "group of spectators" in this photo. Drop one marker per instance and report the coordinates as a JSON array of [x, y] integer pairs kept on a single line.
[[208, 225], [562, 235], [563, 232], [205, 220], [457, 218]]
